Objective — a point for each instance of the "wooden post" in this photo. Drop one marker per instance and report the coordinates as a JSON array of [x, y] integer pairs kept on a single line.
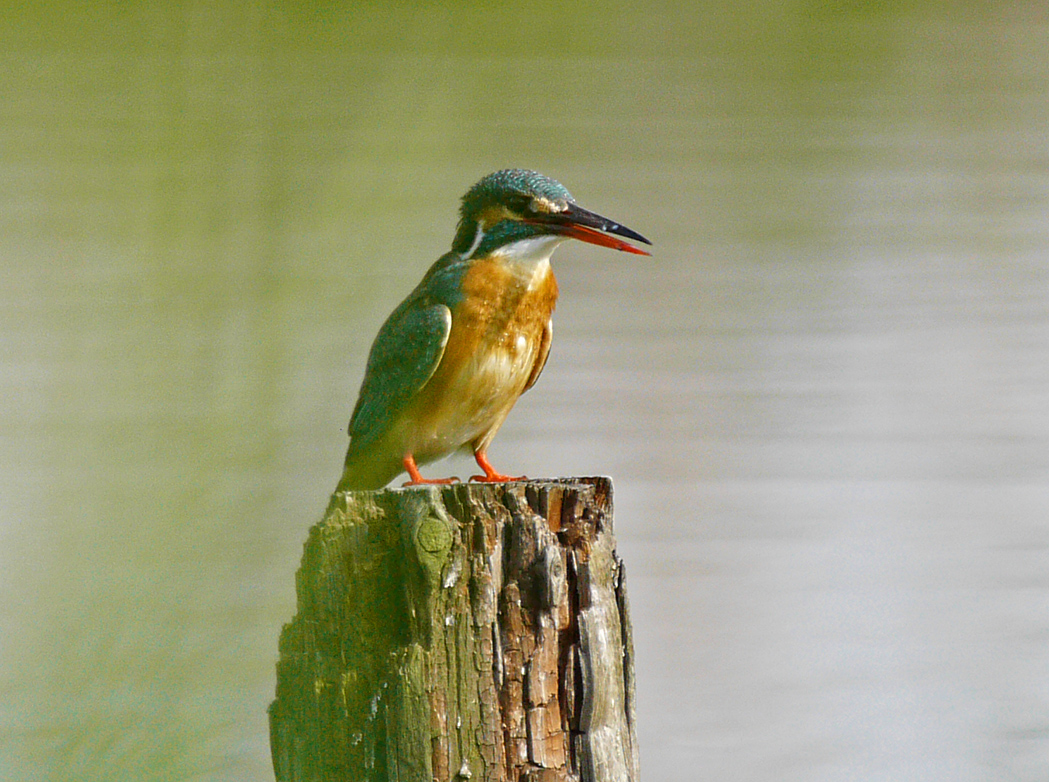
[[476, 631]]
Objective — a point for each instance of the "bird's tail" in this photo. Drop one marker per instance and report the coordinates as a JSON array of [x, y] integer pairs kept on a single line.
[[364, 474]]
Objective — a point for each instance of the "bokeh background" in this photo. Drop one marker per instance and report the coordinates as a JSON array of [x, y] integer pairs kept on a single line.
[[824, 400]]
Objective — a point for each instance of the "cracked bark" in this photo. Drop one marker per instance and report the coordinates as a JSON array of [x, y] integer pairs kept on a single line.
[[462, 632]]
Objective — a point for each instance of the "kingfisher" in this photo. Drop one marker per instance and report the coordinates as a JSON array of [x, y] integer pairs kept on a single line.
[[449, 363]]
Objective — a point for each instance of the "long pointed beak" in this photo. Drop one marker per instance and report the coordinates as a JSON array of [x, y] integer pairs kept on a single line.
[[584, 225]]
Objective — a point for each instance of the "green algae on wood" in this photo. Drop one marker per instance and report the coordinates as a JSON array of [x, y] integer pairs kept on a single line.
[[464, 632]]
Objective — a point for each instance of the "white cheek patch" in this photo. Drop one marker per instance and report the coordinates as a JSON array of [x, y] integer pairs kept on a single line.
[[478, 238]]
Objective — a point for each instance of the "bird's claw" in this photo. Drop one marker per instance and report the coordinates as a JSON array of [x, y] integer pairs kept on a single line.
[[497, 478], [490, 473], [432, 482]]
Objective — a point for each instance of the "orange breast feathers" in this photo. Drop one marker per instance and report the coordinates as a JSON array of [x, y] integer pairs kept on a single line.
[[503, 301], [498, 344]]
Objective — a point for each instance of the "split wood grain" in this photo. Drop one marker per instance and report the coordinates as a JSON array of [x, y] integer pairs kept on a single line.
[[472, 631]]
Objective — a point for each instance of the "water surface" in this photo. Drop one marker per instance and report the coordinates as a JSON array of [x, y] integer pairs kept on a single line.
[[823, 400]]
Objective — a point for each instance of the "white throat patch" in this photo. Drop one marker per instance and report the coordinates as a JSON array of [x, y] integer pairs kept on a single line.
[[532, 251]]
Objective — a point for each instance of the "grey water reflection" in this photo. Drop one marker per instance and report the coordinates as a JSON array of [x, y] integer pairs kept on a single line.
[[824, 400]]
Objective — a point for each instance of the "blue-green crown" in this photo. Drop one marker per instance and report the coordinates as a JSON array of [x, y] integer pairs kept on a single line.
[[510, 187], [514, 190]]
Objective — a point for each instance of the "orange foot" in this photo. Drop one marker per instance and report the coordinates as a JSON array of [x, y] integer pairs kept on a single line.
[[417, 479], [490, 475]]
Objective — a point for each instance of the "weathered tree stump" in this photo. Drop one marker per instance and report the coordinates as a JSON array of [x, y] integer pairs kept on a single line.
[[465, 632]]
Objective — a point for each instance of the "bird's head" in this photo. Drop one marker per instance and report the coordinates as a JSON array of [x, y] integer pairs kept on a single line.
[[515, 205]]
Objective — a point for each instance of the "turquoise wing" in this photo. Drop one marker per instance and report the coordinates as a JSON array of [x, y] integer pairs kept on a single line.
[[403, 358]]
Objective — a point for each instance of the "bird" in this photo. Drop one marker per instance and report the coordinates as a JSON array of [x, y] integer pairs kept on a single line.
[[452, 359]]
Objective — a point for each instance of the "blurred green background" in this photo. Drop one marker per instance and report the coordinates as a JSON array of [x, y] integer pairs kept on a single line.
[[824, 400]]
